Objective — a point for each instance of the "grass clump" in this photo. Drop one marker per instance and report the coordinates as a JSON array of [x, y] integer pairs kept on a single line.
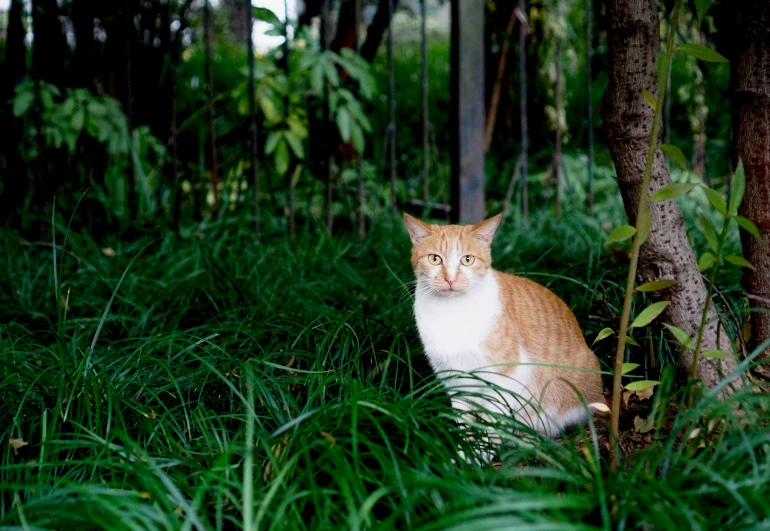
[[281, 385]]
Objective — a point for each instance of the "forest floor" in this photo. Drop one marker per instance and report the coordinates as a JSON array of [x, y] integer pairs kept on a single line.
[[206, 380]]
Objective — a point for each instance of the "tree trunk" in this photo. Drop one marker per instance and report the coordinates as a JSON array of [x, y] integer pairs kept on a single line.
[[523, 102], [556, 164], [210, 98], [377, 29], [590, 102], [49, 49], [14, 187], [634, 45], [751, 123], [238, 19], [502, 63]]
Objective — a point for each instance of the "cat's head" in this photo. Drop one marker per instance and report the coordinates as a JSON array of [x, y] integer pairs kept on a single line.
[[448, 260]]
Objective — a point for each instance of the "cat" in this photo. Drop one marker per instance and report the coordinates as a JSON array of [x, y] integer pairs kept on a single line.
[[471, 317]]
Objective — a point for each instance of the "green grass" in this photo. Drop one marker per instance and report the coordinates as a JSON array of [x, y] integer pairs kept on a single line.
[[281, 385]]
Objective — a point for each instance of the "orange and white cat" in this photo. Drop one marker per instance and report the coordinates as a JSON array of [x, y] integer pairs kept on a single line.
[[519, 335]]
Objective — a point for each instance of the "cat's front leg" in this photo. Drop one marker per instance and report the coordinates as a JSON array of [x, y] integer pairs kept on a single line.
[[481, 456]]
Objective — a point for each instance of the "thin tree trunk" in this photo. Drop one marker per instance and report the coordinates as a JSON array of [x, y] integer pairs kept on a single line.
[[289, 175], [12, 71], [210, 97], [376, 30], [326, 125], [523, 106], [556, 164], [494, 99], [590, 106], [239, 19], [751, 122], [254, 136], [392, 113], [634, 44], [425, 117], [360, 156]]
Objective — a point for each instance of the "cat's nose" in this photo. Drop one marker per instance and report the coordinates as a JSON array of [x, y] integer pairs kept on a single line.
[[449, 279]]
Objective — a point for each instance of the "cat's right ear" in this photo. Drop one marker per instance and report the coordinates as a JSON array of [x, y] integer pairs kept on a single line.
[[418, 230]]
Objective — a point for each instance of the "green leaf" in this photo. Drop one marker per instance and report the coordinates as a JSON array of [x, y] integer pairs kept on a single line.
[[297, 126], [671, 191], [716, 200], [281, 158], [645, 221], [317, 78], [701, 6], [295, 144], [702, 53], [630, 341], [621, 234], [628, 367], [739, 261], [641, 385], [716, 354], [657, 285], [343, 123], [748, 225], [78, 119], [357, 136], [648, 314], [738, 187], [603, 334], [705, 261], [650, 98], [675, 154], [266, 15], [272, 142], [711, 235], [332, 76], [680, 335], [23, 102], [268, 107]]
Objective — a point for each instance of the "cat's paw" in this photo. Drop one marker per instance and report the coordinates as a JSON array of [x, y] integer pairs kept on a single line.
[[476, 458]]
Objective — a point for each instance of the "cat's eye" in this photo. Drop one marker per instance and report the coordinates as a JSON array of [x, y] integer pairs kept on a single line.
[[467, 260], [434, 259]]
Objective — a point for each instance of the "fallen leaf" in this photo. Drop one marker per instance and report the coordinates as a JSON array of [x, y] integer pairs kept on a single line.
[[694, 433], [278, 450], [108, 251], [645, 394], [16, 444], [329, 437], [643, 425], [598, 406], [626, 396]]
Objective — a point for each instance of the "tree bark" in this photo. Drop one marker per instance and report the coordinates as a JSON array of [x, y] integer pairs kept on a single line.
[[238, 19], [14, 185], [523, 102], [377, 28], [556, 164], [751, 137], [634, 45], [502, 63]]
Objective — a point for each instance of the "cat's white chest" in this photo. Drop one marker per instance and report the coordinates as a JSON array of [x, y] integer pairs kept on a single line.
[[454, 330]]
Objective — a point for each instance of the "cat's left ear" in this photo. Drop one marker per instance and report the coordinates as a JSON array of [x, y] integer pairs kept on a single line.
[[485, 230]]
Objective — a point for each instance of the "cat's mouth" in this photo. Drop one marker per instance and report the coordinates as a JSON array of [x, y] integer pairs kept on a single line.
[[450, 291]]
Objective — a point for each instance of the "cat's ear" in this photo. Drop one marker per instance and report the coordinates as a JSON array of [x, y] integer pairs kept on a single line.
[[485, 230], [418, 230]]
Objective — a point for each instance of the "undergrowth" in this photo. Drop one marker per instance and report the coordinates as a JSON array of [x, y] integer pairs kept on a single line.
[[138, 413]]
